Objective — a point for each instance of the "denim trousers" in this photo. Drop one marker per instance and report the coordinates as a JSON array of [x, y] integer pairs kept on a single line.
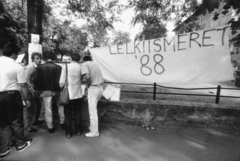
[[32, 113], [29, 114], [94, 94], [48, 103], [73, 110], [11, 119]]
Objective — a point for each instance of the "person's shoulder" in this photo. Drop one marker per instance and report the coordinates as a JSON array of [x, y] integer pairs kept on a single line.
[[29, 66], [57, 65], [17, 66]]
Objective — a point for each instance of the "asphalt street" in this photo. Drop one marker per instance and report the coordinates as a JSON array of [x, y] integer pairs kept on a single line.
[[121, 142]]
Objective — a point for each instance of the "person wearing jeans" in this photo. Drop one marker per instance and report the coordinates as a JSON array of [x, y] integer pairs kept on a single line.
[[94, 80], [32, 113], [11, 104], [46, 79]]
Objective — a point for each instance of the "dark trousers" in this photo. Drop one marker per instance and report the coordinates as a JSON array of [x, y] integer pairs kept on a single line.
[[11, 117], [29, 114], [38, 105], [73, 109]]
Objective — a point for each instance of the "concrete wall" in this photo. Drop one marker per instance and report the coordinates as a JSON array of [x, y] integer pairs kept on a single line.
[[168, 113]]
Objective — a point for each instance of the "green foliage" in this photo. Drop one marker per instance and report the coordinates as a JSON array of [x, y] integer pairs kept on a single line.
[[100, 17], [65, 39], [121, 37], [97, 34], [152, 15], [13, 22], [209, 5]]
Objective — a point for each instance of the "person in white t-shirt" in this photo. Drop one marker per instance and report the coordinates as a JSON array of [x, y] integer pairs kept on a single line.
[[94, 85], [11, 104]]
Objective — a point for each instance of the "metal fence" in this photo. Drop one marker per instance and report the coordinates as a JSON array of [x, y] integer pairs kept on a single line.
[[155, 85]]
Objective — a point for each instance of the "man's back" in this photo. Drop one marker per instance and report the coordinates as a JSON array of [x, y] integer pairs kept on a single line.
[[95, 73], [47, 76], [74, 80], [11, 73]]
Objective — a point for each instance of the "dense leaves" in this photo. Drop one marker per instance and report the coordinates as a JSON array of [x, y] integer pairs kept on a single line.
[[12, 22], [153, 15], [121, 37], [194, 9]]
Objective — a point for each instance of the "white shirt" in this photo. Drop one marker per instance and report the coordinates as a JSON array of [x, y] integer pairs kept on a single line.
[[95, 73], [74, 80], [11, 73]]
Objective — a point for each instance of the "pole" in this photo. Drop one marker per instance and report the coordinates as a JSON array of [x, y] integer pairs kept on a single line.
[[218, 94], [154, 91]]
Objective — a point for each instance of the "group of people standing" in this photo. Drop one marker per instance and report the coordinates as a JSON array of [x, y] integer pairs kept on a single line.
[[38, 86]]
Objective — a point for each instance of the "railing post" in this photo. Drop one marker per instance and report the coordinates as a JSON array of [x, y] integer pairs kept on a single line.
[[218, 94], [154, 91]]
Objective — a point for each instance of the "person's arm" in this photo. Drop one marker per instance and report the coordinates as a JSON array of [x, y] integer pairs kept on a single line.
[[62, 77], [21, 78], [88, 80], [35, 78], [24, 89], [29, 74], [86, 75]]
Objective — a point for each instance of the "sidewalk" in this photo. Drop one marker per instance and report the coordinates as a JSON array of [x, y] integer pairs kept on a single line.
[[121, 142]]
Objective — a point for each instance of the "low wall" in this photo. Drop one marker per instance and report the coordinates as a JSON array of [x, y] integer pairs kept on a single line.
[[168, 113]]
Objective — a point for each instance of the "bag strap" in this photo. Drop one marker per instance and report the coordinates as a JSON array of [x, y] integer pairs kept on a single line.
[[66, 80]]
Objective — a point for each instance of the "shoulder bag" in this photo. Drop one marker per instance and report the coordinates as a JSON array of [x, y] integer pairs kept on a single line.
[[64, 95]]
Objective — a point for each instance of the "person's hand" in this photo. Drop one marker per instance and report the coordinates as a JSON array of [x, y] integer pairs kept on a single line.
[[32, 91], [85, 93], [28, 103]]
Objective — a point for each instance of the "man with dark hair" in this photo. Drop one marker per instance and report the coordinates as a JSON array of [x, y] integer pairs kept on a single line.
[[11, 105], [46, 79], [75, 94], [31, 114], [95, 81]]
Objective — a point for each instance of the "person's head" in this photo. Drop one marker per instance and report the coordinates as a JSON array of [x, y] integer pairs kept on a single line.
[[36, 57], [49, 55], [87, 58], [75, 57], [11, 50]]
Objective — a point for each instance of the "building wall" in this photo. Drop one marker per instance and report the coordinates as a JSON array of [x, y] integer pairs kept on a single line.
[[206, 22]]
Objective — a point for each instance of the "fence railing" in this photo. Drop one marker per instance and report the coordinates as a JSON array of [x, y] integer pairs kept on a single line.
[[154, 92]]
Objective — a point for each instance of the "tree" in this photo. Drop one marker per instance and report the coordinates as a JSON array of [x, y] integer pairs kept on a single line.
[[13, 28], [152, 15], [121, 37], [97, 34], [99, 17], [191, 7], [234, 22]]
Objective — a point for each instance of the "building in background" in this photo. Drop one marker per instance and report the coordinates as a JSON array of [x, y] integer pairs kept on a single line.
[[201, 21]]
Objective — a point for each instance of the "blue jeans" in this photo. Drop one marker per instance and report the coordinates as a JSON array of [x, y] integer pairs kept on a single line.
[[11, 119]]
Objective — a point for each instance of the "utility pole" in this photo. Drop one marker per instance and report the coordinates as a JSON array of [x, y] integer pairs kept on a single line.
[[34, 21]]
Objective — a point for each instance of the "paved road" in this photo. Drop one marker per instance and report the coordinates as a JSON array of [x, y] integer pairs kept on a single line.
[[120, 142]]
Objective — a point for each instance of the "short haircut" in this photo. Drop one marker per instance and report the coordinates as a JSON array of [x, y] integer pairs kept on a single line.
[[49, 55], [87, 58], [36, 54], [75, 57], [10, 49]]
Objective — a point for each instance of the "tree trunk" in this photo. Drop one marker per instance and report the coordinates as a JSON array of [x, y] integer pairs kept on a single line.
[[39, 17], [34, 17], [31, 17]]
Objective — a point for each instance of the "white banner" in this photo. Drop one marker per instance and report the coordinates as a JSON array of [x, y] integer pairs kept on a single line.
[[190, 58]]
